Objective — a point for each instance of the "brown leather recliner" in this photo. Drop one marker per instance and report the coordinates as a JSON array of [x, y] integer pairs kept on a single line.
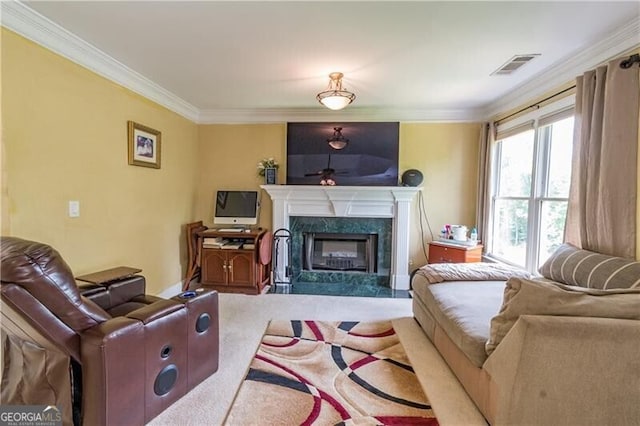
[[109, 355]]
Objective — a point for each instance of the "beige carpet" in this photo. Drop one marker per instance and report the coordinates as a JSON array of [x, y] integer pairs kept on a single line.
[[244, 319], [330, 372]]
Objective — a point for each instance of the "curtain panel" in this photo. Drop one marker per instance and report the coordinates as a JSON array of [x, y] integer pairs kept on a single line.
[[601, 215], [483, 202]]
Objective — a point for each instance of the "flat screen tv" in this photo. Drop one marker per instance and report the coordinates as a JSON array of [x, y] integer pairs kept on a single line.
[[369, 156], [236, 208]]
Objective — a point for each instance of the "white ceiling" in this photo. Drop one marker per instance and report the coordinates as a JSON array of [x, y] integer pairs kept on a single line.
[[266, 61]]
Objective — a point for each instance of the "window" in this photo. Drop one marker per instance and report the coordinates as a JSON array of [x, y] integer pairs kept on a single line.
[[532, 171]]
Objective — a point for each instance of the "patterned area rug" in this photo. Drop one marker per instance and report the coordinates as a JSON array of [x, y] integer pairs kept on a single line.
[[330, 373]]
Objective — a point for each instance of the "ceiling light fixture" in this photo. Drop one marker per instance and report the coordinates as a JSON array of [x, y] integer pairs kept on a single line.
[[335, 97], [337, 141]]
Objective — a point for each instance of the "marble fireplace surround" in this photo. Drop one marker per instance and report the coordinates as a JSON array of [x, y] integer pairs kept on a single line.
[[350, 201]]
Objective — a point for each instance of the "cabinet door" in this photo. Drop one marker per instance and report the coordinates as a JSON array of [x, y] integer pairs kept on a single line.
[[440, 254], [214, 267], [240, 268]]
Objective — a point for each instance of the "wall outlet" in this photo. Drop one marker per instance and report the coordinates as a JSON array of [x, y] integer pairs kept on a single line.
[[74, 208]]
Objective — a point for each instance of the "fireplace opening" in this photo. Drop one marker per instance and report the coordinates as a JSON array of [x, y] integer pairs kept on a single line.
[[340, 252]]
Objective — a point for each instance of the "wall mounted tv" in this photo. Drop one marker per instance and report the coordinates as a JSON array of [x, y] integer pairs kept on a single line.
[[236, 208], [369, 158]]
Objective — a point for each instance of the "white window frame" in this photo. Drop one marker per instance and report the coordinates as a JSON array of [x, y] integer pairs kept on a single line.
[[538, 177]]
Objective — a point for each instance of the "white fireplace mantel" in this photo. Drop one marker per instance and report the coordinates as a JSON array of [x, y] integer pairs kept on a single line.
[[350, 201]]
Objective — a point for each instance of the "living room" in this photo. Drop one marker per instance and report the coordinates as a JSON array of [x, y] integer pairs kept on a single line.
[[65, 136]]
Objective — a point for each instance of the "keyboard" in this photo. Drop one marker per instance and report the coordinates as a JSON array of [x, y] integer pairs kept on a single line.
[[230, 230]]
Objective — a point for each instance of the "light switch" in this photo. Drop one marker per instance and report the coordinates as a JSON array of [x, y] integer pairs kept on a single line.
[[74, 208]]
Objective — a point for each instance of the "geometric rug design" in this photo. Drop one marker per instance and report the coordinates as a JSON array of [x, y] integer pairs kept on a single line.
[[330, 373]]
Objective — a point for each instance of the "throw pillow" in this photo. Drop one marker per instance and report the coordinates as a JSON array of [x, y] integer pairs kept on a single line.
[[573, 266], [528, 297]]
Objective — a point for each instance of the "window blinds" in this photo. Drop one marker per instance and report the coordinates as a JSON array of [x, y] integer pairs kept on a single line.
[[503, 134], [545, 120]]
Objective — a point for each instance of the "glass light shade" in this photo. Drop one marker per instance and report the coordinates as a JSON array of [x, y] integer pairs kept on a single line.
[[337, 141], [336, 100], [335, 97], [337, 144]]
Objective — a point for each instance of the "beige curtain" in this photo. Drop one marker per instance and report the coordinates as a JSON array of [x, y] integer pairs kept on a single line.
[[483, 202], [601, 214]]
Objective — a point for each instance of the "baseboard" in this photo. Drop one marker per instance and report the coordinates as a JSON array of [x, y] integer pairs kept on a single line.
[[171, 291]]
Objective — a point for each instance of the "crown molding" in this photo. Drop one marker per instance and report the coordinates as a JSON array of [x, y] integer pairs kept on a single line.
[[25, 21], [626, 38], [321, 114]]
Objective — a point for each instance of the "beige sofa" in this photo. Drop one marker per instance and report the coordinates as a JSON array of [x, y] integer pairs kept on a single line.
[[547, 351]]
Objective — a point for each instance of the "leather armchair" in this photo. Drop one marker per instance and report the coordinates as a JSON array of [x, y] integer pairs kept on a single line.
[[103, 354]]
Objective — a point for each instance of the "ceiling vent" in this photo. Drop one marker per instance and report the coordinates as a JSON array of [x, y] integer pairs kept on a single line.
[[514, 63]]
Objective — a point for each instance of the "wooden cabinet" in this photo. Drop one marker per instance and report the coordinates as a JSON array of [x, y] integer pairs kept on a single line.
[[228, 267], [214, 267], [238, 270], [448, 253]]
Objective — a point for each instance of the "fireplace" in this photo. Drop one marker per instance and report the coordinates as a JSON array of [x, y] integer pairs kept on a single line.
[[321, 203], [340, 252]]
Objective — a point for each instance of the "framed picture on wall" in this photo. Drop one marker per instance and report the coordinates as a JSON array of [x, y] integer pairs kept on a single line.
[[144, 146]]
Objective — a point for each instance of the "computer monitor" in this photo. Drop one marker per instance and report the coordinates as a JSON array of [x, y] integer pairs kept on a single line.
[[236, 208]]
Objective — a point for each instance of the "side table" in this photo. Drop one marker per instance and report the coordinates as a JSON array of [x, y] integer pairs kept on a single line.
[[451, 253]]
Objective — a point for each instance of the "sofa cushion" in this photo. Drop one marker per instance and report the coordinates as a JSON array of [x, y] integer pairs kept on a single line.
[[537, 297], [573, 266], [463, 309]]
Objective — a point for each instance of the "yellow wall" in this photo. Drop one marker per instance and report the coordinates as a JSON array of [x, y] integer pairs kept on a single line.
[[447, 156], [65, 138], [228, 159]]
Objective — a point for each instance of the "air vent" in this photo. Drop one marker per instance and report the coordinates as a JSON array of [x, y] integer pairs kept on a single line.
[[514, 63]]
